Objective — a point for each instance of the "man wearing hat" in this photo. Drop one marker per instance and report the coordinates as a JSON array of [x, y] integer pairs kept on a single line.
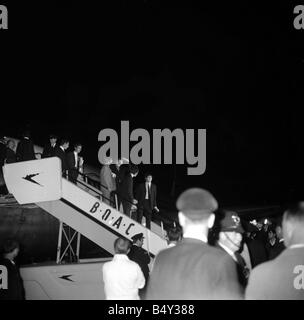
[[139, 255], [230, 240], [193, 270]]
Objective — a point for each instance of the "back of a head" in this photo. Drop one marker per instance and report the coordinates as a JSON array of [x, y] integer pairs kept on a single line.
[[10, 245], [293, 224], [196, 204], [174, 234], [295, 213], [122, 246]]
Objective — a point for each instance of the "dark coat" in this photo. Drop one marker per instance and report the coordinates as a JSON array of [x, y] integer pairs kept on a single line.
[[15, 290], [257, 249], [63, 157], [141, 257], [118, 173], [275, 250], [73, 169], [241, 268], [126, 189], [25, 150], [48, 151], [193, 270]]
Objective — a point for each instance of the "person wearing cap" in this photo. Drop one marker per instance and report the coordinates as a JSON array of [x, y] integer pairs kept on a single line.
[[122, 277], [230, 240], [140, 255], [50, 147], [193, 270], [25, 148], [283, 277], [107, 181]]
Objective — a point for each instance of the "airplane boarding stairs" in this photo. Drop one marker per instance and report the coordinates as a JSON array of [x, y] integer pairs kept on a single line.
[[40, 182]]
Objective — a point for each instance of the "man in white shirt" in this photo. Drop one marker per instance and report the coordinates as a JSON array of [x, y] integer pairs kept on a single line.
[[122, 277]]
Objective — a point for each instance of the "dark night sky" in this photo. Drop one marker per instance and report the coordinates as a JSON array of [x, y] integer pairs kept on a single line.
[[235, 69]]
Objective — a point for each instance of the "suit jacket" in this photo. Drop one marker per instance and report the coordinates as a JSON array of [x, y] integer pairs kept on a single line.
[[193, 270], [276, 279], [240, 267], [141, 195], [126, 188], [62, 156], [15, 290], [275, 250], [257, 251], [106, 179], [48, 151], [25, 150], [141, 257], [119, 176]]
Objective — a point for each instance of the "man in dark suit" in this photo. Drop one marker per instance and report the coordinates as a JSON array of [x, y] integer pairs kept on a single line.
[[60, 152], [283, 277], [256, 243], [74, 162], [49, 148], [126, 188], [192, 269], [25, 149], [146, 197], [139, 255], [15, 289], [118, 169]]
